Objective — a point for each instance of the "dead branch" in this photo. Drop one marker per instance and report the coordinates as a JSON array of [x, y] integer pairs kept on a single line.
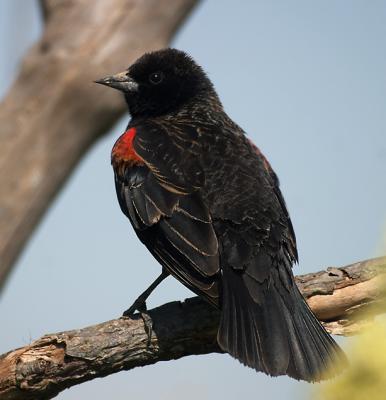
[[58, 361], [54, 113]]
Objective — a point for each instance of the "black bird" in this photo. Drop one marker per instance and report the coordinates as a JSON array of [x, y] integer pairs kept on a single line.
[[207, 204]]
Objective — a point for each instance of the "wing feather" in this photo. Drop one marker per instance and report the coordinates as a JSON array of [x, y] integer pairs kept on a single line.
[[162, 200]]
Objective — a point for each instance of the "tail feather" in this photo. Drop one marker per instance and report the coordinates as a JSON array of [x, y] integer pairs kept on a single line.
[[279, 336], [239, 333], [330, 353]]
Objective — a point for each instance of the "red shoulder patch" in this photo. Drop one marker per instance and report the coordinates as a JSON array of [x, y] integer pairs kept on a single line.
[[123, 149], [266, 163]]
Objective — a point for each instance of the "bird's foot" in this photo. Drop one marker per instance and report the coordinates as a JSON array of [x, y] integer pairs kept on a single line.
[[140, 306]]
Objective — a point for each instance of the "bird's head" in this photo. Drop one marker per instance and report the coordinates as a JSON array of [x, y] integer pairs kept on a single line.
[[160, 82]]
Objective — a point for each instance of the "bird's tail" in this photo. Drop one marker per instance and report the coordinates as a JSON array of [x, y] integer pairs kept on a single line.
[[278, 334]]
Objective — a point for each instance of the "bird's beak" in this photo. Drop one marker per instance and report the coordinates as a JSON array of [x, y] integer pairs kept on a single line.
[[121, 81]]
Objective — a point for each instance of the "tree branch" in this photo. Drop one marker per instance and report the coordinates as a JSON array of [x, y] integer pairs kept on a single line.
[[54, 113], [58, 361]]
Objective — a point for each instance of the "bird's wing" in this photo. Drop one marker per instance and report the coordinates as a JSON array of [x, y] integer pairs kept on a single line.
[[171, 154], [162, 199]]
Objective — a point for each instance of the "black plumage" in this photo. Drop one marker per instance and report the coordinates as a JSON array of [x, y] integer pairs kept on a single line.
[[207, 205]]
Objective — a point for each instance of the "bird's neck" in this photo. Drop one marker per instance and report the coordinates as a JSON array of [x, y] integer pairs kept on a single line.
[[202, 102]]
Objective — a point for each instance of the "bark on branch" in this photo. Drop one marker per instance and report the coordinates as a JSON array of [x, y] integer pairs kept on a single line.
[[58, 361], [54, 113]]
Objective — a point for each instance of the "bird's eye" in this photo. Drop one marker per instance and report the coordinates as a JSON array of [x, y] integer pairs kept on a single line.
[[156, 77]]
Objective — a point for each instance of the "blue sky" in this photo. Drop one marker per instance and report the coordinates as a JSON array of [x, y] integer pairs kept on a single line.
[[307, 82]]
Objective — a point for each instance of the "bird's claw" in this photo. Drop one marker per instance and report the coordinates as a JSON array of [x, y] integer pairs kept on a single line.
[[148, 325], [140, 306]]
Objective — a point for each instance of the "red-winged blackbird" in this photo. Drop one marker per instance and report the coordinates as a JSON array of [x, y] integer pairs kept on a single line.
[[207, 205]]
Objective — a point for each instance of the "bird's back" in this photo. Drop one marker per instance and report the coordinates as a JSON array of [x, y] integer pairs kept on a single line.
[[265, 322]]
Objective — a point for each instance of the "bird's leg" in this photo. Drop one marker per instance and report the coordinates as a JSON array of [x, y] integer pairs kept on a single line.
[[140, 305]]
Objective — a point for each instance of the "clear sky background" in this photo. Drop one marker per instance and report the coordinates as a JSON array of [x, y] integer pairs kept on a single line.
[[307, 81]]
